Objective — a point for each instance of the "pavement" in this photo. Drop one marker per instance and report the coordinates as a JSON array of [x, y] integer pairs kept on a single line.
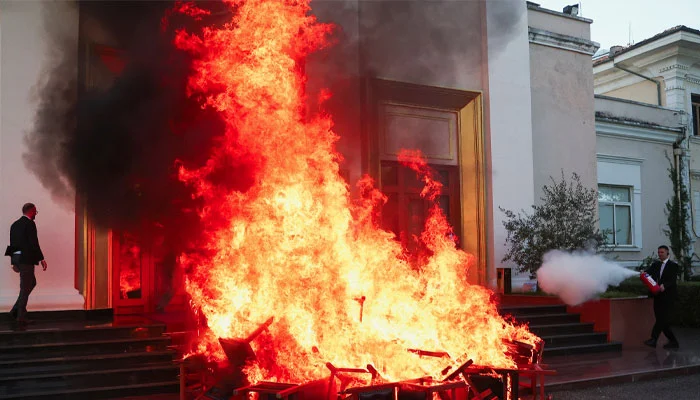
[[685, 387], [633, 364]]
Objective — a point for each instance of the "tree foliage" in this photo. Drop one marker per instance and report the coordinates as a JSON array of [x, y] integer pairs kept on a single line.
[[677, 230], [566, 219]]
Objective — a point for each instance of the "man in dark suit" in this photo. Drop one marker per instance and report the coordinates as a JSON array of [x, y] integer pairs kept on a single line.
[[24, 243], [665, 273]]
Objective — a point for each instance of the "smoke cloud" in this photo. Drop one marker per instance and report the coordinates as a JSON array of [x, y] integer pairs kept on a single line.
[[119, 146], [578, 277]]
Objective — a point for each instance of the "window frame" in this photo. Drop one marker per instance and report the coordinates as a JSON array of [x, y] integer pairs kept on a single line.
[[617, 170], [628, 204]]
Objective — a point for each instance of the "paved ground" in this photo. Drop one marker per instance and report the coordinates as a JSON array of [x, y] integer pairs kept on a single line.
[[677, 388], [632, 363]]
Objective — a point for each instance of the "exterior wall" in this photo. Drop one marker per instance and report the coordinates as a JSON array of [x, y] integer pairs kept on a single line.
[[643, 91], [564, 128], [24, 49], [560, 23], [430, 43], [469, 46], [673, 60], [694, 190], [655, 189], [635, 148], [562, 87]]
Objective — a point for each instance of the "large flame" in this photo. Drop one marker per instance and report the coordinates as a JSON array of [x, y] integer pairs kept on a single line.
[[294, 246]]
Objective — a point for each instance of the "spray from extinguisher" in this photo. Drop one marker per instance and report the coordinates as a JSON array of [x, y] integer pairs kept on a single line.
[[650, 283]]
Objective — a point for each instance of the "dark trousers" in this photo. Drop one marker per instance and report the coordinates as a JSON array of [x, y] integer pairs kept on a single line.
[[27, 282], [662, 313]]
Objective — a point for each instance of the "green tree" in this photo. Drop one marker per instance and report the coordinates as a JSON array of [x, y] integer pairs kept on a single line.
[[566, 219], [677, 230]]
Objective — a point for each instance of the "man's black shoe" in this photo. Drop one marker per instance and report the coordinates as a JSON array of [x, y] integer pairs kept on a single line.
[[671, 346], [24, 321], [650, 343], [13, 314]]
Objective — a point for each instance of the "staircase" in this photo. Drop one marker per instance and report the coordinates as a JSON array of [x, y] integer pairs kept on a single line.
[[84, 354], [563, 332]]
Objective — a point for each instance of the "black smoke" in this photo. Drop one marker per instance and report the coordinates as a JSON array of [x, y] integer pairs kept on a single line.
[[118, 146]]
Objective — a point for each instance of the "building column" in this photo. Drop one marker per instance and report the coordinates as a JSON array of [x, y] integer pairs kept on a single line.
[[676, 93], [24, 51], [508, 120]]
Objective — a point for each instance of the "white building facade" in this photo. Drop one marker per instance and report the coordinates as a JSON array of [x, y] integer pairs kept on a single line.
[[647, 97], [510, 81]]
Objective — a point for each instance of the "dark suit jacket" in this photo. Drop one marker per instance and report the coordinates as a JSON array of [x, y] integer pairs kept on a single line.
[[668, 280], [23, 236]]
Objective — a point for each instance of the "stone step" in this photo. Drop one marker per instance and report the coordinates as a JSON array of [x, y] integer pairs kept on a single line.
[[85, 355], [74, 348], [96, 362], [542, 319], [87, 379], [575, 339], [532, 310], [582, 349], [78, 333], [99, 393], [65, 315], [561, 329]]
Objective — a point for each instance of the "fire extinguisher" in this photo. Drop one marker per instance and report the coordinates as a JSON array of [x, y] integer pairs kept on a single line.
[[650, 283]]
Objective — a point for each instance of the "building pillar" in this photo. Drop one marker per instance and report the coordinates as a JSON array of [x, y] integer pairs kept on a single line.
[[676, 93], [508, 120]]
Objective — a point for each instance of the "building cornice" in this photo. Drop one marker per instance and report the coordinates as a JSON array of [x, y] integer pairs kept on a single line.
[[564, 42], [634, 131], [692, 79], [619, 159], [672, 67]]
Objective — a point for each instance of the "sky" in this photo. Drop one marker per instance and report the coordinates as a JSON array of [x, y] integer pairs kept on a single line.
[[612, 18]]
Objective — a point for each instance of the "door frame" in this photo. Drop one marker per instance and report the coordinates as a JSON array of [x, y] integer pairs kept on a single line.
[[467, 105]]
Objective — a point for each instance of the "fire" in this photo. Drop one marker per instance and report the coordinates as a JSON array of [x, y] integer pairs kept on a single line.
[[296, 247], [129, 267]]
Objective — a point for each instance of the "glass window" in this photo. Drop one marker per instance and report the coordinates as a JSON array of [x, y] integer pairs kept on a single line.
[[606, 221], [615, 213]]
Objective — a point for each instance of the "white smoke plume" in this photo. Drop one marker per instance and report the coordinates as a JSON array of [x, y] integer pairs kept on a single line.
[[578, 277]]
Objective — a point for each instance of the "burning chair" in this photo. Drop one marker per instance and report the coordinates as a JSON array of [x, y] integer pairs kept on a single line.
[[464, 381]]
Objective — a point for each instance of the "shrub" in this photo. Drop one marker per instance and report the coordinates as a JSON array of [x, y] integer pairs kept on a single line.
[[565, 220], [686, 310]]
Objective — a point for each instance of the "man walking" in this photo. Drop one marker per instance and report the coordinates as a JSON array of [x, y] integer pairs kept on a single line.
[[26, 254], [665, 273]]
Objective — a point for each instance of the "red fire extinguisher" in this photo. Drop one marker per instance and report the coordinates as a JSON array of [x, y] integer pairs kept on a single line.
[[650, 283]]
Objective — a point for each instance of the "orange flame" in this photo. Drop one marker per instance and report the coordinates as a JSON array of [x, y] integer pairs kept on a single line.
[[129, 269], [295, 247]]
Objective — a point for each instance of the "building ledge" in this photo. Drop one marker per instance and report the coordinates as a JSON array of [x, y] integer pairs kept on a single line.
[[623, 249], [638, 103], [603, 116], [623, 128], [564, 42], [537, 7]]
